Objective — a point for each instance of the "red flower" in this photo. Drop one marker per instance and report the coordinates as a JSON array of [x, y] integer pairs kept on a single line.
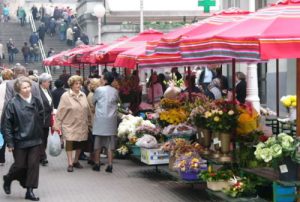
[[263, 138]]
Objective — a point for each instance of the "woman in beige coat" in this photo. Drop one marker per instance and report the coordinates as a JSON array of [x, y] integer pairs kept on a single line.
[[73, 118]]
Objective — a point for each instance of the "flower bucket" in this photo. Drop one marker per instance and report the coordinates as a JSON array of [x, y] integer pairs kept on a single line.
[[284, 194], [217, 185], [189, 176], [288, 170], [292, 113], [136, 151]]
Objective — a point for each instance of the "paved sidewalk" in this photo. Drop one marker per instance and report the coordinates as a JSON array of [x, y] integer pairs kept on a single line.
[[130, 181]]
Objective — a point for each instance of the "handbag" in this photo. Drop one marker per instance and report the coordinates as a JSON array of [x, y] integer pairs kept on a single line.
[[15, 51]]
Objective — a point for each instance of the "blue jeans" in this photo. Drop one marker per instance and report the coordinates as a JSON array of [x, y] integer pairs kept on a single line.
[[11, 57], [62, 36], [26, 58]]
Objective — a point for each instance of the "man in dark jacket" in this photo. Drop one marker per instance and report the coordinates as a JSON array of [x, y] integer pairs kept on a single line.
[[33, 39], [26, 53], [42, 31], [45, 81], [22, 126], [57, 93]]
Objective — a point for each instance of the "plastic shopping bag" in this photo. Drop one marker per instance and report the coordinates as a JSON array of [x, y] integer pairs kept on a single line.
[[1, 140], [54, 144]]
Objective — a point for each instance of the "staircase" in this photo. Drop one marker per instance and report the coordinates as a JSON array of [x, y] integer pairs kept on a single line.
[[19, 35]]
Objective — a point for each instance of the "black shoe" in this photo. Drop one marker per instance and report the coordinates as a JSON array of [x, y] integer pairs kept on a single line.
[[83, 157], [96, 167], [109, 169], [30, 195], [44, 162], [91, 162], [6, 184]]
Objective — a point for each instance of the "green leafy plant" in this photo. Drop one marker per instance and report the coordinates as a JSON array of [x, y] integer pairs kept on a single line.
[[212, 176], [241, 188]]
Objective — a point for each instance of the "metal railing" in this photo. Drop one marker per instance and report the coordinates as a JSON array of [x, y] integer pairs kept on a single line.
[[42, 50]]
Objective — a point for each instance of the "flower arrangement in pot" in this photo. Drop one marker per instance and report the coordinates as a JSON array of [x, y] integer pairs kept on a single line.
[[222, 121], [198, 117], [290, 102], [189, 165], [216, 180], [283, 152], [241, 187]]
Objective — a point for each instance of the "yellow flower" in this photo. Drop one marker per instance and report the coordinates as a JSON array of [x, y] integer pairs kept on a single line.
[[220, 112], [294, 104], [216, 119], [207, 114]]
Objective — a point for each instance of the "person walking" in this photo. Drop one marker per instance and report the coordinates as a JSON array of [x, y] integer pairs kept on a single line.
[[26, 52], [34, 12], [11, 50], [105, 125], [45, 81], [42, 31], [6, 74], [5, 12], [36, 53], [22, 126], [73, 120], [62, 30], [21, 14], [33, 39], [70, 36]]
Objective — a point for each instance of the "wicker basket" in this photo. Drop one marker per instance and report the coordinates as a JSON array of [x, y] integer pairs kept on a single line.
[[217, 185]]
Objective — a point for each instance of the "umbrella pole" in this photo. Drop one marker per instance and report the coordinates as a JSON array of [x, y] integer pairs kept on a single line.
[[64, 68], [190, 83], [298, 97], [233, 79], [152, 89], [83, 70], [277, 87], [90, 69], [70, 70]]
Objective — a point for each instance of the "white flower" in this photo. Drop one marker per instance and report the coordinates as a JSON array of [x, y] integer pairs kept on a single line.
[[266, 154], [231, 112]]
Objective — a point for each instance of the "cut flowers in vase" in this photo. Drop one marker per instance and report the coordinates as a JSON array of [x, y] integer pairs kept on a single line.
[[223, 118], [189, 162]]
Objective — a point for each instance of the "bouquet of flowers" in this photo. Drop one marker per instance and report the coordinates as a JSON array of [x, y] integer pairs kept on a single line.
[[289, 101], [167, 103], [173, 116], [127, 128], [277, 147], [223, 118], [220, 175], [147, 129], [247, 120], [179, 146], [129, 89], [123, 150]]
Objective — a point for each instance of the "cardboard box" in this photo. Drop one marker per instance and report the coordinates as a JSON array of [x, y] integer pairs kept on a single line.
[[154, 156]]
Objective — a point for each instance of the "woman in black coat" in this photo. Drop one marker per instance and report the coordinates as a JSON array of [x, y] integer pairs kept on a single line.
[[22, 126], [241, 87]]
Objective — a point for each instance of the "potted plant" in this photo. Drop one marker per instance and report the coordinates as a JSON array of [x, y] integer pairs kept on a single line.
[[199, 119], [216, 180], [283, 152], [240, 188], [189, 165]]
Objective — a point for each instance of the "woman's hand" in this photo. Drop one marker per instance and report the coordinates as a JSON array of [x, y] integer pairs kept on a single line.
[[55, 128]]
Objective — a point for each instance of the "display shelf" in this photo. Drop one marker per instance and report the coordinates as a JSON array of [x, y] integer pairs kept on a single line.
[[218, 195]]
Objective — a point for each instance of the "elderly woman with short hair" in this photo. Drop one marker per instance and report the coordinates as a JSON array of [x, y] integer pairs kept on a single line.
[[73, 118], [44, 82], [22, 126]]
